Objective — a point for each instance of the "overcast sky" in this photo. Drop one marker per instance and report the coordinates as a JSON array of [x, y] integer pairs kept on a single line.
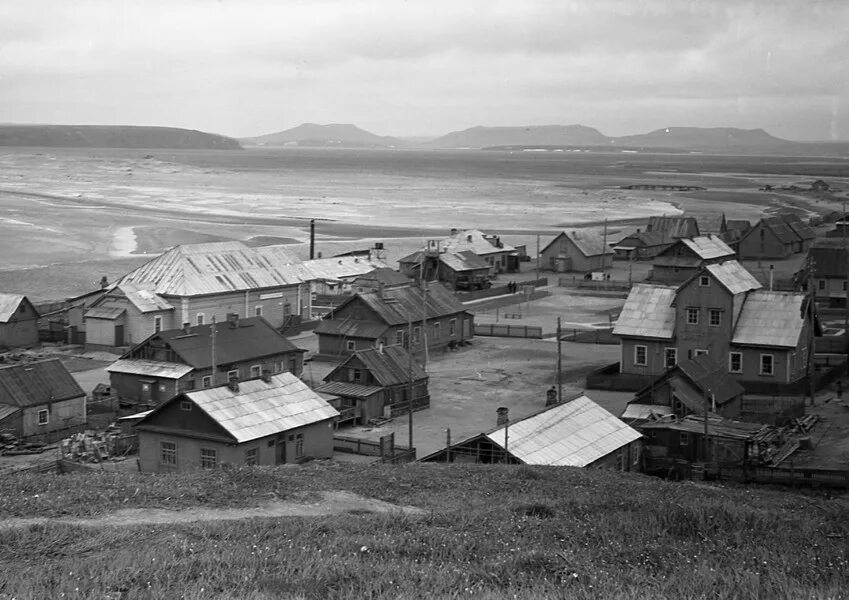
[[428, 67]]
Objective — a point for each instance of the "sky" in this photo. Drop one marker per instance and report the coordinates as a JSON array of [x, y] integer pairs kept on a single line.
[[425, 68]]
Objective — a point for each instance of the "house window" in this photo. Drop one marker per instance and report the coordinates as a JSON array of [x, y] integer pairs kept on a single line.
[[189, 384], [234, 374], [185, 405], [355, 375], [844, 285], [821, 284], [684, 438], [351, 345], [256, 370], [271, 443], [399, 337], [452, 327], [199, 318], [206, 381], [735, 362], [157, 324], [208, 458], [299, 445], [293, 364], [767, 364], [714, 317], [251, 456], [417, 333], [692, 316], [168, 453], [640, 355], [436, 333], [699, 352], [704, 281], [43, 416], [670, 357], [258, 311]]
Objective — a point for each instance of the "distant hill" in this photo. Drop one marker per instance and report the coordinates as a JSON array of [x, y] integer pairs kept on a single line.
[[700, 138], [535, 135], [311, 134], [113, 136]]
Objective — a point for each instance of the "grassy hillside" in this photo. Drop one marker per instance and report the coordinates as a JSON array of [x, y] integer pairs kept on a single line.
[[487, 532], [112, 136]]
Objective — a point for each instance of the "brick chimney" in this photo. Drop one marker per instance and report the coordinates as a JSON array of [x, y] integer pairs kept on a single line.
[[233, 384], [502, 416], [266, 376]]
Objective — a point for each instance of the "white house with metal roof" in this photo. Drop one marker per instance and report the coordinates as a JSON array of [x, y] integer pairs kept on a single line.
[[501, 257], [577, 433], [18, 321], [265, 421], [757, 335], [580, 250]]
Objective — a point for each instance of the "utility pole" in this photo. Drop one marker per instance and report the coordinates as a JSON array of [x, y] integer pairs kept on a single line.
[[812, 298], [537, 256], [706, 441], [604, 248], [559, 366], [424, 324], [212, 349], [410, 376], [845, 283]]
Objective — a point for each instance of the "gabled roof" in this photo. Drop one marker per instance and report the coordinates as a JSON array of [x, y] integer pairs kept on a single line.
[[149, 368], [708, 247], [108, 311], [352, 328], [674, 227], [198, 269], [37, 383], [252, 338], [770, 319], [462, 261], [344, 388], [706, 376], [647, 239], [779, 228], [337, 268], [143, 298], [830, 261], [574, 434], [717, 427], [711, 223], [474, 241], [798, 226], [648, 312], [9, 304], [733, 277], [645, 412], [739, 224], [384, 276], [258, 408], [393, 307], [389, 366], [588, 243]]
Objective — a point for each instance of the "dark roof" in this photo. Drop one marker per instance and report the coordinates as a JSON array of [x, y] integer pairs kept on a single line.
[[706, 375], [351, 328], [37, 383], [389, 366], [739, 224], [798, 226], [711, 223], [465, 260], [394, 306], [717, 427], [780, 229], [647, 238], [253, 337], [674, 227], [383, 276], [829, 261]]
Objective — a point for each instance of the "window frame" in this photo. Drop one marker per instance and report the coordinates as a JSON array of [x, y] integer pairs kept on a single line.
[[208, 458], [200, 318], [206, 381], [715, 312], [350, 345], [186, 405], [700, 352], [666, 353], [157, 323], [299, 445], [704, 281], [44, 412], [256, 371], [258, 310], [452, 327], [731, 356], [437, 330], [168, 456], [683, 438], [645, 350], [232, 373], [252, 456], [761, 370], [693, 315]]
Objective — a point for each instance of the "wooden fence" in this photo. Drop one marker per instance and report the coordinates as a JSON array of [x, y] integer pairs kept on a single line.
[[499, 290], [608, 377], [521, 331], [363, 447]]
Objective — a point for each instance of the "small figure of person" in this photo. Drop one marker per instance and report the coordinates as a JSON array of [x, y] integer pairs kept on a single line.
[[551, 396], [839, 390]]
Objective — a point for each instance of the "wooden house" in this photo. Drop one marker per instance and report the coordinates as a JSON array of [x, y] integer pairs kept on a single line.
[[641, 245], [690, 385], [41, 401], [376, 382], [686, 256], [377, 319], [460, 270], [776, 237], [759, 336], [378, 279], [500, 257], [18, 321], [830, 273], [269, 420], [179, 360], [673, 228], [711, 224], [577, 433], [579, 250], [669, 441]]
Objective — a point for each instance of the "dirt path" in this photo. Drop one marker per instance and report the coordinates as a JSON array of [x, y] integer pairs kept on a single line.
[[331, 503]]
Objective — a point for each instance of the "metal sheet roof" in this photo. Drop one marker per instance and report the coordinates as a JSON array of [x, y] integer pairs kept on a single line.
[[391, 365], [260, 408], [717, 427], [151, 368], [589, 243], [340, 267], [779, 228], [770, 319], [37, 383], [462, 261], [574, 434], [105, 311], [343, 388], [734, 277], [351, 328], [135, 416], [644, 412], [9, 304], [198, 269], [708, 247], [474, 241], [674, 227], [648, 312], [798, 226], [144, 299], [394, 306], [7, 410]]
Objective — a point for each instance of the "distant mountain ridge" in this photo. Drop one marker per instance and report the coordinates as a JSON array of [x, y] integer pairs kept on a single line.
[[312, 134], [113, 136], [542, 135]]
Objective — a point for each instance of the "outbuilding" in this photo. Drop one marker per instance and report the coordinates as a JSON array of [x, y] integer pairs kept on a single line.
[[18, 321]]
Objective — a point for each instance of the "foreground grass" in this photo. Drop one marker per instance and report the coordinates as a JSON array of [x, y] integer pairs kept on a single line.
[[490, 532]]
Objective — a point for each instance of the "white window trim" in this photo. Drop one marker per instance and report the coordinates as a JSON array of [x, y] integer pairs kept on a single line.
[[350, 345], [645, 361], [157, 323], [674, 359], [696, 313], [258, 310], [206, 381], [731, 362], [699, 352], [232, 373], [705, 279], [46, 414], [452, 327], [199, 319], [771, 365], [714, 311], [256, 369]]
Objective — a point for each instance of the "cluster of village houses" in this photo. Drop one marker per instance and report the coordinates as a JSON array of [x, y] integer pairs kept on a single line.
[[208, 376]]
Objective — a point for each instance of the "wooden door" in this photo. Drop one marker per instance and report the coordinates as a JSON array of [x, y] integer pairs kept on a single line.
[[119, 335]]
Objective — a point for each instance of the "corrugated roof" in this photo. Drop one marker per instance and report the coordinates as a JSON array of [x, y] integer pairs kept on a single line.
[[409, 301], [384, 276], [260, 409], [575, 434], [151, 368], [589, 243], [717, 427], [472, 240], [462, 261], [798, 226], [708, 375], [343, 388], [770, 319], [340, 267], [144, 299], [9, 304], [648, 312], [253, 338], [734, 277], [389, 366], [780, 229], [708, 247], [645, 239], [105, 311], [36, 383], [674, 227], [352, 328], [197, 269], [7, 410], [643, 412]]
